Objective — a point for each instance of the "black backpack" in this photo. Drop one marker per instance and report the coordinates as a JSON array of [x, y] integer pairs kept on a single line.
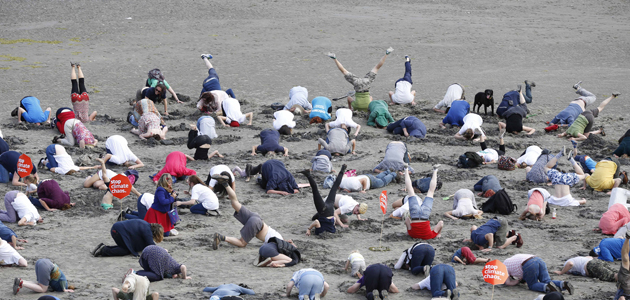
[[470, 160], [499, 203]]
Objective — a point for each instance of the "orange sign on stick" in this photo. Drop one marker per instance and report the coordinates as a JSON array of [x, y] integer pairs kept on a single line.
[[24, 165], [120, 186], [495, 272], [383, 200]]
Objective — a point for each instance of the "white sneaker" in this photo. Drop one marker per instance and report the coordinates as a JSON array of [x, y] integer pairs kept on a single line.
[[174, 232], [389, 50]]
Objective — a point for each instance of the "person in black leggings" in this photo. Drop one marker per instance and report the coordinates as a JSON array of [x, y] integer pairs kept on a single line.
[[79, 96], [376, 277], [201, 144], [324, 219]]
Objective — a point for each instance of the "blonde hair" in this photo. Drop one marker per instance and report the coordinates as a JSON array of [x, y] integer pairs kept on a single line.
[[163, 182], [354, 251], [30, 178], [363, 208]]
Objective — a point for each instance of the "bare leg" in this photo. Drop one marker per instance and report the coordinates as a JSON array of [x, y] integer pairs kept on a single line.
[[36, 287], [340, 67], [604, 103], [115, 292], [408, 186], [80, 71], [73, 74], [208, 64], [250, 115], [390, 98], [625, 260], [233, 199], [529, 130], [350, 99], [521, 97], [380, 64]]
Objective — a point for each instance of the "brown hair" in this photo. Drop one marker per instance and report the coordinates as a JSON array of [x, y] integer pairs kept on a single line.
[[158, 232], [194, 179], [66, 206], [30, 178], [285, 130], [71, 172], [316, 120], [207, 97], [161, 86], [468, 134], [163, 182]]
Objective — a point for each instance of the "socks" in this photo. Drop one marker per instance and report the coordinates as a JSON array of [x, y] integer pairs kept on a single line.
[[560, 154], [572, 160]]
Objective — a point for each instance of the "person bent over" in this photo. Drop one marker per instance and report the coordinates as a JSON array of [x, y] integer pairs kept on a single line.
[[417, 259], [376, 277], [310, 283], [589, 267], [404, 94], [623, 277], [495, 232], [324, 219], [533, 270], [536, 205], [562, 182]]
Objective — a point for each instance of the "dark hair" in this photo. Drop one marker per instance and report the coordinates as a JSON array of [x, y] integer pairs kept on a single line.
[[66, 206], [348, 130], [285, 130], [624, 177], [219, 189], [592, 253], [161, 86], [316, 120], [468, 134], [624, 136], [194, 179]]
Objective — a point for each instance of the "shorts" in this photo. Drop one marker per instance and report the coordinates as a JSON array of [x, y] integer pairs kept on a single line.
[[500, 237], [599, 269], [79, 97], [252, 223], [43, 267], [361, 84], [327, 225], [361, 101], [129, 296], [578, 126], [268, 250], [358, 266], [556, 177], [514, 123]]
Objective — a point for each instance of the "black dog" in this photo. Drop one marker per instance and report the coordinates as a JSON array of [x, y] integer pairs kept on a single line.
[[486, 100]]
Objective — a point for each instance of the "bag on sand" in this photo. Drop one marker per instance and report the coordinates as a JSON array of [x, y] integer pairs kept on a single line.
[[507, 163], [469, 160], [499, 203], [328, 182]]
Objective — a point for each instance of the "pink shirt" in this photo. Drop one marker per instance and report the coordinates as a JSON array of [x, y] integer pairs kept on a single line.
[[514, 264], [616, 216]]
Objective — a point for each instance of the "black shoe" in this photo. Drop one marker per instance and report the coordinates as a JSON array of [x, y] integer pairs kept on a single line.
[[221, 179], [14, 112], [568, 287], [55, 139], [40, 165], [121, 216], [577, 85], [97, 251], [129, 117], [128, 211]]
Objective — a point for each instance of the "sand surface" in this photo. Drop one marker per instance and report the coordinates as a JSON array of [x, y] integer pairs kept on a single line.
[[263, 48]]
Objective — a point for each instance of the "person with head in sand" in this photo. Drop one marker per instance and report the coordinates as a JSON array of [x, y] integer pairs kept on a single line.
[[456, 114], [9, 256], [537, 173], [134, 287], [417, 221], [321, 162], [562, 182], [298, 101], [487, 186], [464, 206], [376, 277], [609, 249], [8, 169], [361, 86], [355, 262], [443, 282], [495, 233], [514, 117], [101, 181], [396, 158], [31, 111], [580, 129], [338, 141], [49, 277], [615, 217], [471, 127], [379, 114], [211, 83], [529, 157], [322, 108], [229, 291], [533, 270], [344, 120], [489, 155], [8, 235], [149, 126], [118, 153], [51, 196], [589, 267], [143, 204], [283, 122], [157, 264], [27, 213], [567, 116], [606, 176], [465, 256], [131, 237], [417, 259], [269, 143], [310, 283], [623, 277], [79, 96], [346, 206], [624, 146], [59, 161], [536, 205], [277, 253], [72, 130], [142, 106], [408, 126], [619, 195], [275, 178], [175, 164], [155, 78], [325, 218], [232, 115], [225, 171], [162, 202], [253, 225], [403, 94], [203, 200], [454, 92]]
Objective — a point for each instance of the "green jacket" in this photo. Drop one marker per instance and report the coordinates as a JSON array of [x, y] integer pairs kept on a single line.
[[379, 113]]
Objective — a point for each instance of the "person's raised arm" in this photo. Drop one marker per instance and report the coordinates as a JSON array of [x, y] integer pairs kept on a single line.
[[566, 268]]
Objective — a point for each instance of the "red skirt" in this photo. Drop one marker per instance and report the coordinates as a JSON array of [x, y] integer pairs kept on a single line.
[[154, 216]]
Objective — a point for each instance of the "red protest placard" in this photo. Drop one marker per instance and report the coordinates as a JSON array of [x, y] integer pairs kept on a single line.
[[495, 272], [383, 200], [120, 186], [24, 165]]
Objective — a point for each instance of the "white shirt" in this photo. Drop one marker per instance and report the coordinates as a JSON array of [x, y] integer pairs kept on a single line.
[[454, 92], [205, 196], [399, 212], [121, 153], [408, 254], [403, 93], [343, 116], [283, 117], [425, 284], [272, 233], [233, 111], [64, 164], [474, 122], [8, 255], [25, 209], [464, 207], [531, 156], [109, 173], [353, 184], [579, 264], [207, 127], [347, 205], [619, 195], [489, 154], [218, 169], [147, 200]]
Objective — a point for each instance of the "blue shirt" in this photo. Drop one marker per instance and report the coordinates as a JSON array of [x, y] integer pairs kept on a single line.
[[320, 108], [6, 233], [455, 116], [162, 200], [269, 139], [34, 112], [414, 126], [228, 290], [150, 93], [275, 176], [610, 249], [478, 236]]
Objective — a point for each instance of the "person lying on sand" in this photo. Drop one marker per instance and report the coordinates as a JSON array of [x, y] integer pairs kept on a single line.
[[101, 181], [408, 126], [562, 182], [59, 161], [118, 153], [226, 291], [514, 117], [233, 115], [362, 183], [495, 233], [624, 146], [589, 267], [298, 101], [606, 176], [465, 256], [134, 287], [321, 162], [278, 253], [72, 130], [149, 126], [580, 129], [417, 259]]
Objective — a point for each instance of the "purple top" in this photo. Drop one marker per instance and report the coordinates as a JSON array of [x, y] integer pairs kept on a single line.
[[52, 194]]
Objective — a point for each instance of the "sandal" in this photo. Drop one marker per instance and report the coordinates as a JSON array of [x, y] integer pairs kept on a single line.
[[17, 284], [106, 206]]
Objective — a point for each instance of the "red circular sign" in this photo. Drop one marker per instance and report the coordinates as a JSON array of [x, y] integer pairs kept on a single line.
[[120, 186], [495, 272], [24, 165]]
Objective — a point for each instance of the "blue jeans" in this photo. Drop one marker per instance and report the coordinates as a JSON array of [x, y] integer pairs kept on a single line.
[[133, 119], [422, 184], [198, 209], [407, 76], [528, 94], [4, 175], [381, 180], [417, 211], [36, 202], [442, 274], [142, 211], [311, 283], [199, 121], [488, 182], [50, 152], [568, 115], [211, 83], [421, 256], [536, 275]]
